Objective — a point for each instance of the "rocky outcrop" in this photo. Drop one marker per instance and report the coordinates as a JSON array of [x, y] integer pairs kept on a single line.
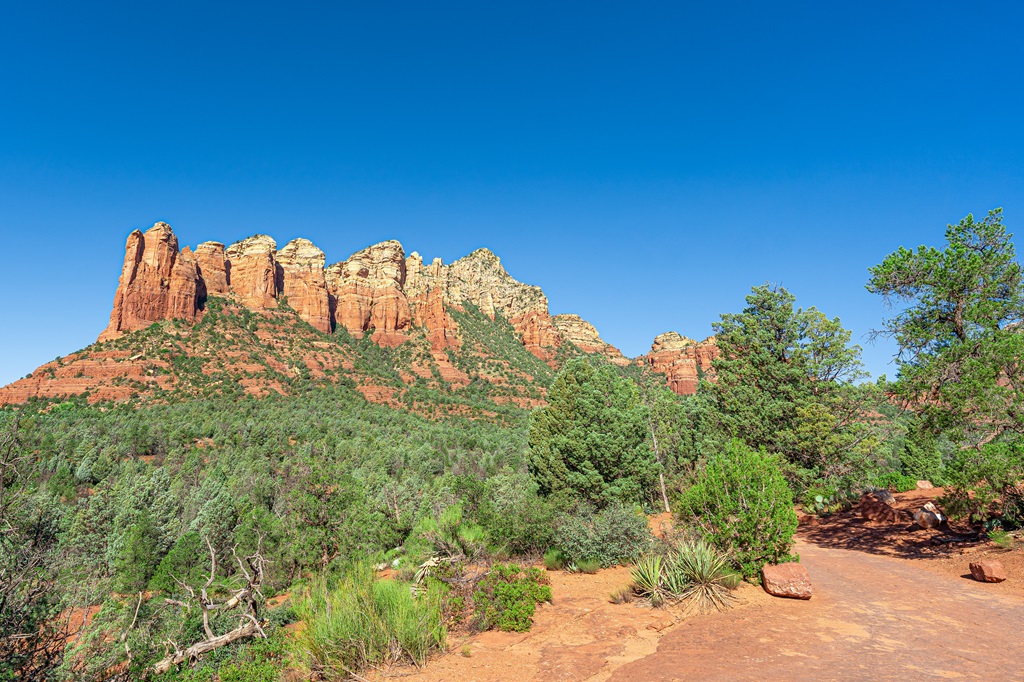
[[367, 293], [480, 279], [877, 509], [300, 278], [252, 272], [683, 361], [929, 517], [158, 282], [584, 336], [213, 268], [377, 290], [787, 580]]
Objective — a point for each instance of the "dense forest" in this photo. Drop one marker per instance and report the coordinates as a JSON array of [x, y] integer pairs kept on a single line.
[[182, 537]]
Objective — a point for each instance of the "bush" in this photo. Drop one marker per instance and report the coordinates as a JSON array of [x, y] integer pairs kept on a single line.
[[617, 534], [517, 520], [896, 482], [361, 621], [507, 597], [984, 485], [693, 572], [554, 560], [740, 503], [590, 566]]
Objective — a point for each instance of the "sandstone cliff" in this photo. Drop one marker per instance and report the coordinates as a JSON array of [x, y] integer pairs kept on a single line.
[[158, 282], [252, 271], [584, 336], [683, 361], [367, 293], [300, 278], [378, 291]]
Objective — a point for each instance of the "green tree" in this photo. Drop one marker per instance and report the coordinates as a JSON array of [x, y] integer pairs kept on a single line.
[[785, 382], [591, 441], [957, 329], [741, 503]]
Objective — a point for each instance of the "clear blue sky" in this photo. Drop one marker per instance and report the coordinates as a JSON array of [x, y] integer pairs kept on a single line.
[[646, 164]]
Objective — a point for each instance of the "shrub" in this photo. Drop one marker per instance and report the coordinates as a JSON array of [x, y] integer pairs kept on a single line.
[[983, 485], [554, 560], [616, 534], [740, 502], [896, 482], [518, 521], [693, 572], [448, 535], [589, 566], [507, 597], [360, 621]]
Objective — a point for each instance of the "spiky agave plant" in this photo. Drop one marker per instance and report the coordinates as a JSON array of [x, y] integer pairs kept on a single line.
[[699, 575], [648, 579]]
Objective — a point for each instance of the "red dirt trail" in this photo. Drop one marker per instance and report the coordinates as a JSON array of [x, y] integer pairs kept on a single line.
[[871, 618]]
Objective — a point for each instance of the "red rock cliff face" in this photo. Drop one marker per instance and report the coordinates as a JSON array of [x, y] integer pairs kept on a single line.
[[377, 290], [301, 278], [681, 360], [367, 290], [252, 272], [157, 282], [213, 268]]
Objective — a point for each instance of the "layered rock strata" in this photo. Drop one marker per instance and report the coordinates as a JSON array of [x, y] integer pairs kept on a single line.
[[584, 336], [301, 279], [378, 290], [683, 361], [252, 272], [158, 282], [367, 293]]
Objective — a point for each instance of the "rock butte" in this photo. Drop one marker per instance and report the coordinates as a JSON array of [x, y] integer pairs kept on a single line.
[[379, 291]]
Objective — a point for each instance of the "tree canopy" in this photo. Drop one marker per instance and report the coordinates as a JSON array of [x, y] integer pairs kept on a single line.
[[784, 382], [591, 441], [958, 328]]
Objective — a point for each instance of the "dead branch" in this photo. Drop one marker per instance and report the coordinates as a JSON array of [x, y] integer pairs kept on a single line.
[[250, 624]]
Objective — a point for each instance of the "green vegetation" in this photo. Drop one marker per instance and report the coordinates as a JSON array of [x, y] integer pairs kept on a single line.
[[508, 596], [359, 621], [692, 572], [590, 441], [740, 502], [617, 534], [146, 511]]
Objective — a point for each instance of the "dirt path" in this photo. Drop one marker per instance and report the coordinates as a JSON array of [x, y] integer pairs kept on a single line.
[[872, 618]]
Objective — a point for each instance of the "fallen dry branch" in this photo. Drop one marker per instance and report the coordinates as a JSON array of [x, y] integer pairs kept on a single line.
[[198, 649], [250, 626]]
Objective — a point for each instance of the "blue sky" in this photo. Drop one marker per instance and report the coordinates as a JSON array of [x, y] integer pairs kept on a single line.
[[645, 164]]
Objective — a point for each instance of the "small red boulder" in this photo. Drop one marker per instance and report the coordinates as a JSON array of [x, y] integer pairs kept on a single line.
[[988, 571], [787, 580]]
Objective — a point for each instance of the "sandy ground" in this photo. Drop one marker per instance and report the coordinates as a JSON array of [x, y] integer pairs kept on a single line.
[[890, 603]]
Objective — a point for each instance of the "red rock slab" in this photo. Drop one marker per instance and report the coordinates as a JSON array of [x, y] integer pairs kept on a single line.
[[787, 580], [988, 571]]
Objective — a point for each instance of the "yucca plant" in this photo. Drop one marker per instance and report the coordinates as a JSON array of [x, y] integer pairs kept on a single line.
[[699, 575], [648, 579]]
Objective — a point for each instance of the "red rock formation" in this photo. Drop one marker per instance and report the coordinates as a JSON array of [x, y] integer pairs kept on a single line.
[[787, 580], [252, 272], [213, 268], [157, 282], [430, 314], [681, 360], [538, 333], [584, 336], [367, 293], [301, 278]]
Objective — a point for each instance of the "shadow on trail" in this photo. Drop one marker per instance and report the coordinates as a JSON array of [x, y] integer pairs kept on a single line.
[[904, 538]]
